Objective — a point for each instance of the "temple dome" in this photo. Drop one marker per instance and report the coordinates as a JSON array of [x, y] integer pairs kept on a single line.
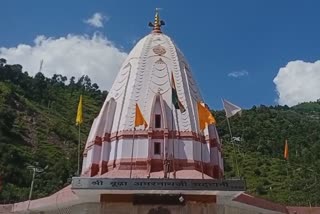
[[146, 78], [146, 72]]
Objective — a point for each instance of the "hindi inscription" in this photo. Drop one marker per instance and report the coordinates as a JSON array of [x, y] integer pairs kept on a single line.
[[157, 184]]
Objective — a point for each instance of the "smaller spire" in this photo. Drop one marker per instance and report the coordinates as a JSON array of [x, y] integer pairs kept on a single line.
[[156, 26]]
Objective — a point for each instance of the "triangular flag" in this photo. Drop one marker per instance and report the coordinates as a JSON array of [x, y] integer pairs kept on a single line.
[[286, 151], [230, 109], [175, 100], [79, 118], [139, 119], [205, 116]]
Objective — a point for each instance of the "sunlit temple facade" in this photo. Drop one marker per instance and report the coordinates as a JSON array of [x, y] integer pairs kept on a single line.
[[172, 142]]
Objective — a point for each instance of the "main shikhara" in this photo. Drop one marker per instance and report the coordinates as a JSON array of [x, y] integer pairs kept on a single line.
[[156, 77]]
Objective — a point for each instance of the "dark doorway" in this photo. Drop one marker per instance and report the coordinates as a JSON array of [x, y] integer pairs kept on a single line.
[[157, 121], [157, 148]]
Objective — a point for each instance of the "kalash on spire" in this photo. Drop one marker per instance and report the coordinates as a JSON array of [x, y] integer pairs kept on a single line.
[[157, 23], [157, 79]]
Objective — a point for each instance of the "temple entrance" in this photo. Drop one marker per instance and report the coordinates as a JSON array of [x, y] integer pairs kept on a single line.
[[159, 210]]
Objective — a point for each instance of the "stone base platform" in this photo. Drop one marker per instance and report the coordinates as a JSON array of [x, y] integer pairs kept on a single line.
[[87, 195]]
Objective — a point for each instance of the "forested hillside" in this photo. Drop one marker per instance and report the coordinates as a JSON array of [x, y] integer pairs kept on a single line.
[[37, 127], [259, 154]]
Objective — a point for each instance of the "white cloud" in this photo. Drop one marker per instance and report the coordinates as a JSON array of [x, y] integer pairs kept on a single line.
[[238, 74], [298, 82], [97, 20], [73, 55]]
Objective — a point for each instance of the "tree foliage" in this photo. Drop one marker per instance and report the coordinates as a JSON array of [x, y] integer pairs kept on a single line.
[[259, 155], [37, 127]]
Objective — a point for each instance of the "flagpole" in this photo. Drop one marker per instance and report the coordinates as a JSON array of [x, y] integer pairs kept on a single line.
[[79, 120], [172, 130], [79, 149], [234, 149], [132, 148], [288, 177], [201, 138], [229, 127], [235, 158], [173, 153], [165, 158]]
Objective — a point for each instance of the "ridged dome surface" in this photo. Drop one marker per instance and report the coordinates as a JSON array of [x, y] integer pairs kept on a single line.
[[146, 72], [153, 67]]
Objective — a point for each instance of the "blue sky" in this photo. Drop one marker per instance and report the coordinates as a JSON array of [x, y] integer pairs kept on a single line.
[[253, 37]]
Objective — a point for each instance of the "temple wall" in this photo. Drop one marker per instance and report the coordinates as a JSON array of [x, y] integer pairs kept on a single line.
[[183, 148], [111, 154], [206, 153], [197, 147], [88, 159], [215, 155], [84, 163], [106, 151], [96, 152], [140, 149], [112, 150], [92, 157]]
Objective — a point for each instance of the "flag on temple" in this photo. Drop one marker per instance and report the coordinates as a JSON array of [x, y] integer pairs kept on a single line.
[[230, 109], [79, 118], [139, 119], [175, 100], [286, 151], [205, 116]]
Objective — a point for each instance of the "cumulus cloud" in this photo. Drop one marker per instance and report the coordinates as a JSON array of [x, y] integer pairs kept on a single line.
[[96, 20], [298, 82], [238, 74], [73, 55]]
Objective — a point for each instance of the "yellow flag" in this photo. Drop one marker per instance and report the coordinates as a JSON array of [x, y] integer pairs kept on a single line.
[[205, 116], [79, 118], [139, 120], [286, 151]]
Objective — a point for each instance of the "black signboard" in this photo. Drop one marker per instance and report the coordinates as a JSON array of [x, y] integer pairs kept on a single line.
[[157, 184]]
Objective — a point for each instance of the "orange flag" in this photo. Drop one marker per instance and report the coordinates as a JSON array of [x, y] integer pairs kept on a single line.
[[286, 151], [139, 120], [205, 116]]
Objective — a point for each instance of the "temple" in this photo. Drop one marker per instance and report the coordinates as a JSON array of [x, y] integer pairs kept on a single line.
[[168, 164], [171, 145]]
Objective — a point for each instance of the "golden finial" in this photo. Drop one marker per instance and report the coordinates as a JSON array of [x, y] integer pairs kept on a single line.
[[156, 26], [157, 18]]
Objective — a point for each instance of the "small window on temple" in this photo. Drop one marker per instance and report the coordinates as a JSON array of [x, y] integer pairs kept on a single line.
[[157, 121], [157, 148]]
